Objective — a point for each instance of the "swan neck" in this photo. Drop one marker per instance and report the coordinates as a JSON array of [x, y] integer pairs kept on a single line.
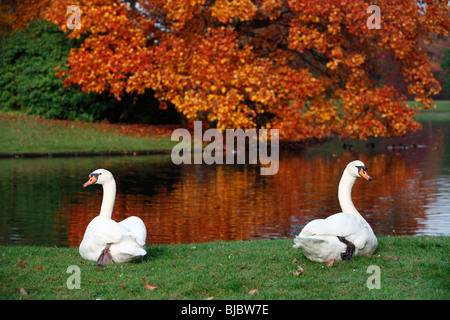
[[109, 196], [345, 194]]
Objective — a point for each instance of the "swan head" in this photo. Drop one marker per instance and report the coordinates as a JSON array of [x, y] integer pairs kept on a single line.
[[358, 169], [99, 176]]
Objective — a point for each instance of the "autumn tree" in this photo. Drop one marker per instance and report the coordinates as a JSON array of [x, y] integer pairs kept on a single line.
[[28, 82], [310, 68], [17, 14]]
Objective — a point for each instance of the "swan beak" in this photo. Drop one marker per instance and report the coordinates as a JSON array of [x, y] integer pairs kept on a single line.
[[92, 180], [364, 174]]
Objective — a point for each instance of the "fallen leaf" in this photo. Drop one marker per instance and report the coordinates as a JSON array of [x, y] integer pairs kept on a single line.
[[395, 258], [150, 287], [253, 292], [23, 292], [330, 263], [298, 271], [294, 261], [209, 298], [122, 286]]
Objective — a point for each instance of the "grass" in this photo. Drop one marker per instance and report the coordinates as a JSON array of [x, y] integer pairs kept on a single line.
[[411, 268], [441, 113], [23, 134]]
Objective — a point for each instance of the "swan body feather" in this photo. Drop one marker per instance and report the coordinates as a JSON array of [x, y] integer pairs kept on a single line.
[[320, 239], [125, 239]]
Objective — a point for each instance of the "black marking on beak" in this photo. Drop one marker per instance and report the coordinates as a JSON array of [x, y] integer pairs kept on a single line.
[[362, 173], [93, 178], [95, 175]]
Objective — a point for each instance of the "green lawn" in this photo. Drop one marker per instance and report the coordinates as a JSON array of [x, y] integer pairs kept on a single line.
[[410, 268], [441, 113], [25, 134]]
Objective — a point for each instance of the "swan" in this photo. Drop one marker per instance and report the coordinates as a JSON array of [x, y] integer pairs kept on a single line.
[[343, 235], [106, 241]]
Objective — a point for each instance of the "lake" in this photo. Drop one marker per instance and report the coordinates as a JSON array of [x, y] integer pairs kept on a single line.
[[42, 201]]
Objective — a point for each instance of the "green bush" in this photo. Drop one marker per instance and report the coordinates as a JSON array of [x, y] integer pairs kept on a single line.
[[28, 58], [445, 64]]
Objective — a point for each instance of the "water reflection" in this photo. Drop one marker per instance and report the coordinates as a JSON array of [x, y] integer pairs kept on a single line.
[[42, 200]]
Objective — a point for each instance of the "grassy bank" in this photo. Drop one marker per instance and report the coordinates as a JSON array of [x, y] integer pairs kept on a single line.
[[410, 268], [23, 134], [441, 113]]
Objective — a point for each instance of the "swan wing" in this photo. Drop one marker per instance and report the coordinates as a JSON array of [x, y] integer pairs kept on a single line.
[[98, 234], [135, 228], [103, 230], [339, 224]]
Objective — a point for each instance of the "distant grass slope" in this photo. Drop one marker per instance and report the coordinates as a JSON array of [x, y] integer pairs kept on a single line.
[[25, 134], [410, 268], [441, 113]]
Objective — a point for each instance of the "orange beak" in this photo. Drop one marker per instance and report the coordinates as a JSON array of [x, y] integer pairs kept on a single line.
[[364, 174], [92, 179]]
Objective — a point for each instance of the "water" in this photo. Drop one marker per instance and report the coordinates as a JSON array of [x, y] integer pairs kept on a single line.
[[42, 201]]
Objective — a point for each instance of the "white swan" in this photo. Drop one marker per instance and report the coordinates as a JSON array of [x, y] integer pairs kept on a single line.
[[342, 235], [105, 240]]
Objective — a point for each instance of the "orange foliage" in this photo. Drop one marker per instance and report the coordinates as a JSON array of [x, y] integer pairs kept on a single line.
[[17, 14], [310, 68]]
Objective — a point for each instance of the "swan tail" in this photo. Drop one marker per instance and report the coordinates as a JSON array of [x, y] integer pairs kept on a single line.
[[320, 249], [128, 253], [132, 250], [300, 242]]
